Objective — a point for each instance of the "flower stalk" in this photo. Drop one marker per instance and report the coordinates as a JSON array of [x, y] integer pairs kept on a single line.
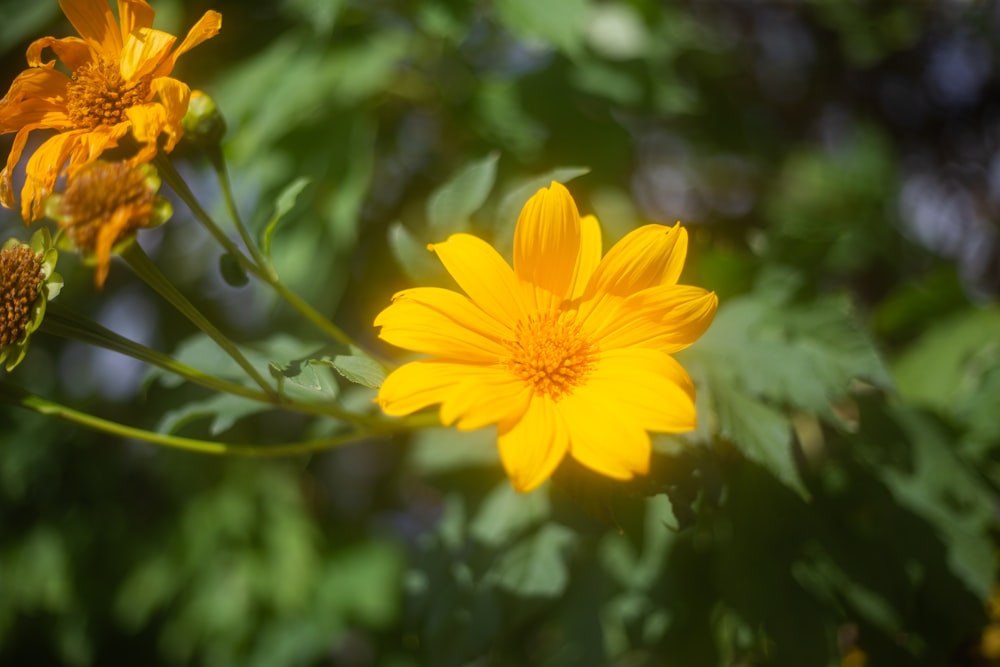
[[18, 397], [144, 268]]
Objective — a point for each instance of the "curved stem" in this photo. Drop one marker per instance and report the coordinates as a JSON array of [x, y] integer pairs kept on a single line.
[[63, 323], [143, 267], [222, 174], [169, 174], [40, 405]]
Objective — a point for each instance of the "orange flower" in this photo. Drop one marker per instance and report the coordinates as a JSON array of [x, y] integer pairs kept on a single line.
[[120, 83], [103, 207]]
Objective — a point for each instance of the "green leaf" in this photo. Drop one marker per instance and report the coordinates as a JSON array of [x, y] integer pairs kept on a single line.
[[536, 565], [437, 450], [505, 513], [284, 203], [418, 263], [305, 379], [944, 365], [762, 433], [762, 354], [947, 492], [359, 368], [223, 410], [451, 205], [232, 271], [561, 23]]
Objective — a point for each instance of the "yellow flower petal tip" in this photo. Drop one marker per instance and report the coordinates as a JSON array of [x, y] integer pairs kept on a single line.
[[566, 352], [118, 85]]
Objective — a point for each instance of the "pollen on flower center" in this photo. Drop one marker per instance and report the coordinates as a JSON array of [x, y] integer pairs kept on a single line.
[[20, 273], [99, 95], [550, 353]]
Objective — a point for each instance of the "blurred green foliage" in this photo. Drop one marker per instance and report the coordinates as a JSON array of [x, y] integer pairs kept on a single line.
[[836, 167]]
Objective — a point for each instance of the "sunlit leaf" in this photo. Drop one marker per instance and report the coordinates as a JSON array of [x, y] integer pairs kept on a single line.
[[505, 513], [222, 410], [536, 565], [284, 203], [451, 205]]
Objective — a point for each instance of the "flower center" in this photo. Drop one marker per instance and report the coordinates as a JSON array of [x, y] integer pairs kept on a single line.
[[98, 95], [21, 273], [551, 354], [100, 194]]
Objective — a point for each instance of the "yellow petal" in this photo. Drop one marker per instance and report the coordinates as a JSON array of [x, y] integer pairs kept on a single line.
[[589, 256], [666, 317], [95, 22], [442, 323], [648, 256], [644, 387], [134, 15], [418, 384], [484, 275], [603, 440], [143, 51], [547, 244], [207, 27], [487, 395], [532, 447]]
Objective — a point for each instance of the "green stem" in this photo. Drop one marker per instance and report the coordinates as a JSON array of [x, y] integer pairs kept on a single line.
[[15, 396], [59, 322], [143, 267], [259, 267]]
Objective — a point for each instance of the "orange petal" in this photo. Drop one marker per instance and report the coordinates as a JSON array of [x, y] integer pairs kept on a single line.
[[107, 236], [650, 255], [484, 275], [547, 244], [532, 447], [134, 15], [35, 93], [442, 323], [207, 27], [43, 169], [173, 96], [6, 182], [666, 317], [71, 51], [95, 22], [147, 121]]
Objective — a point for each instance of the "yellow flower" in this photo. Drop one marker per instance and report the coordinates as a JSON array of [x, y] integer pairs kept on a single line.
[[119, 83], [566, 352], [104, 205]]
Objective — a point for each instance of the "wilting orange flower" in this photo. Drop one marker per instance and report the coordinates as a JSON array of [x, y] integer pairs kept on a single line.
[[566, 352], [119, 83], [104, 205]]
